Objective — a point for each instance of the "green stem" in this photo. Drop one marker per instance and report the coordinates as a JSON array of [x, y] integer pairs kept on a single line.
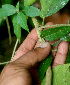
[[56, 25], [14, 49], [38, 30], [8, 26], [43, 22], [5, 63]]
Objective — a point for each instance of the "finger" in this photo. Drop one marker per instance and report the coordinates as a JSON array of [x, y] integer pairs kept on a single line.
[[61, 55], [27, 45], [34, 56]]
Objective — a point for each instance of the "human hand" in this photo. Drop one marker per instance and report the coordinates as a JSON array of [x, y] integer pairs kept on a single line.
[[20, 70]]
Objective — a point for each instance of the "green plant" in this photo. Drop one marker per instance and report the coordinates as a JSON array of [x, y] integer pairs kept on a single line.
[[59, 31]]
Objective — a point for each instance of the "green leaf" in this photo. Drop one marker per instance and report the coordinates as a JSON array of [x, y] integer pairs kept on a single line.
[[55, 33], [17, 7], [45, 4], [17, 27], [28, 2], [68, 57], [66, 37], [7, 10], [44, 81], [31, 11], [50, 7], [56, 43], [22, 21], [61, 75], [48, 77], [43, 66]]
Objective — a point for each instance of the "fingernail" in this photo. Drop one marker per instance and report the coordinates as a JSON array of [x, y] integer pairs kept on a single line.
[[44, 45]]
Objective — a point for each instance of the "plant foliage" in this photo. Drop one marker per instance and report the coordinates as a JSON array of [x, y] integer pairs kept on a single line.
[[56, 33], [22, 21], [7, 10], [17, 27], [31, 11], [28, 2], [61, 75], [50, 7], [43, 66]]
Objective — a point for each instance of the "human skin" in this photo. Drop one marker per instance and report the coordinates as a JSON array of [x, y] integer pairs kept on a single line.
[[23, 68]]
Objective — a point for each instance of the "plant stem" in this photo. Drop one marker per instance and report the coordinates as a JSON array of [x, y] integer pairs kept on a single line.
[[8, 26], [43, 22], [56, 25], [38, 30], [12, 53], [14, 48], [5, 63]]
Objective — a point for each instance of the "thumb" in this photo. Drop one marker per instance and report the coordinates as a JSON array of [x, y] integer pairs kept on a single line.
[[34, 56]]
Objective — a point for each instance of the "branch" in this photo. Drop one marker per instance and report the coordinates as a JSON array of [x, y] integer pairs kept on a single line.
[[56, 25], [5, 63], [38, 30], [14, 48]]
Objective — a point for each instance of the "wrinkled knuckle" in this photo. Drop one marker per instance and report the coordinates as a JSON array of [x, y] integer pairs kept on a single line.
[[7, 69], [9, 66]]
